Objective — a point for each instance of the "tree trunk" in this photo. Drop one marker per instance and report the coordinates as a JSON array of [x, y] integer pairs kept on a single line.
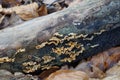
[[83, 30]]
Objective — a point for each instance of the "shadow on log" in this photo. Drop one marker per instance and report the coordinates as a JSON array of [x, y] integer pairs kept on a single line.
[[63, 37]]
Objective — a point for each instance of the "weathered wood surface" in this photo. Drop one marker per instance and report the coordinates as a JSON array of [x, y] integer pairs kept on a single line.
[[83, 30]]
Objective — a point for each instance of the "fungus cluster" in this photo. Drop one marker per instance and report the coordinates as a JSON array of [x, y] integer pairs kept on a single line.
[[47, 59], [68, 45], [30, 66], [6, 59]]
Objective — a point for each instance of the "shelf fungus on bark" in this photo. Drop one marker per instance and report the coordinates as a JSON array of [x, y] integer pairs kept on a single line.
[[48, 59], [61, 49], [6, 59], [30, 66]]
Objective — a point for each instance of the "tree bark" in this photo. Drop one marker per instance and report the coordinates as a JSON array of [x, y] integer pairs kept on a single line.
[[83, 30]]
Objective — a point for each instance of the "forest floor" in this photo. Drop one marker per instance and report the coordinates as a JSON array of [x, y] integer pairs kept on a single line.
[[103, 66]]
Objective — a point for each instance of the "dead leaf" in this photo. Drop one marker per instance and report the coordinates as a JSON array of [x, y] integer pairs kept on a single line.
[[10, 20], [101, 62], [91, 70], [115, 77], [1, 18], [115, 70], [26, 12], [15, 20], [46, 73], [4, 21], [113, 73], [56, 5], [42, 10], [25, 2], [68, 75], [106, 59], [10, 3], [65, 67]]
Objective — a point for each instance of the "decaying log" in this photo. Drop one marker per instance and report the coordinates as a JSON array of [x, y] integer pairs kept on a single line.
[[65, 36]]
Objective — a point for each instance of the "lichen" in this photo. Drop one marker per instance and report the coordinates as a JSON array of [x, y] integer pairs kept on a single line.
[[47, 59], [30, 66], [6, 59]]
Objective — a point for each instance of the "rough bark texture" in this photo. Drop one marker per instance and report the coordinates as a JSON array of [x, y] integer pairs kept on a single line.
[[86, 29]]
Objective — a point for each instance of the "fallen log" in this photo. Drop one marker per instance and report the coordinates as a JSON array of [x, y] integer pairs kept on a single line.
[[63, 37]]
